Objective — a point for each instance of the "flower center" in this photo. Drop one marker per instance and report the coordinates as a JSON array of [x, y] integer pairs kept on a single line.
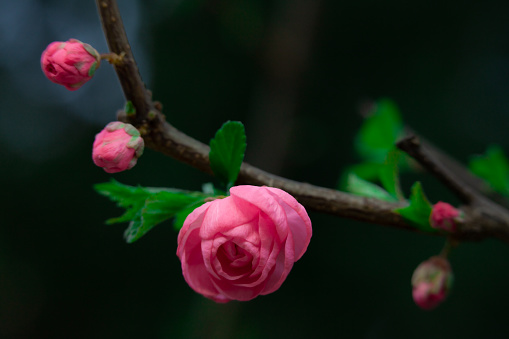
[[235, 261], [51, 69]]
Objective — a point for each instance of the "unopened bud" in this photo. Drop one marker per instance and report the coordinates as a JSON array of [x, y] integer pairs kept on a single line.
[[117, 147], [444, 217], [431, 282], [70, 63]]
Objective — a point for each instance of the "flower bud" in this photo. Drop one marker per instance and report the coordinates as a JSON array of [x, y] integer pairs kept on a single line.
[[117, 147], [444, 217], [431, 282], [70, 63]]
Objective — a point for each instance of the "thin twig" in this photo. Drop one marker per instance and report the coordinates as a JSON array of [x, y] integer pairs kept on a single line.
[[413, 147], [127, 71]]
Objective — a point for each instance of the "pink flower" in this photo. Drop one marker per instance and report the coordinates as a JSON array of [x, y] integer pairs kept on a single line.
[[244, 245], [431, 282], [70, 63], [444, 216], [117, 147]]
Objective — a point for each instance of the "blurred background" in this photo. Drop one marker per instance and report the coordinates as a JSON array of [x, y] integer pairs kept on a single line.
[[294, 72]]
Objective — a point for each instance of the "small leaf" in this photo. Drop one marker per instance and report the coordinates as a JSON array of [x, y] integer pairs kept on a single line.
[[158, 208], [227, 152], [123, 194], [493, 167], [379, 132], [165, 205], [147, 207], [419, 209], [129, 197], [389, 174], [365, 188], [129, 108]]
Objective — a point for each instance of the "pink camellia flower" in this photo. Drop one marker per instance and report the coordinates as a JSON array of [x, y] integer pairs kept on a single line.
[[117, 147], [244, 245], [444, 216], [431, 282], [70, 63]]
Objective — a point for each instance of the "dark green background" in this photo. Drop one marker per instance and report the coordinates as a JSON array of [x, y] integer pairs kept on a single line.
[[64, 274]]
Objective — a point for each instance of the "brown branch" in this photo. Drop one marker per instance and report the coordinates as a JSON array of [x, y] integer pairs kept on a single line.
[[459, 175], [161, 136], [492, 218], [413, 147], [127, 72]]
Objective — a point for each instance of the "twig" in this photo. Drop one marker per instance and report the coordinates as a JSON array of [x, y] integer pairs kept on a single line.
[[490, 217], [161, 136], [127, 72], [413, 147], [464, 175]]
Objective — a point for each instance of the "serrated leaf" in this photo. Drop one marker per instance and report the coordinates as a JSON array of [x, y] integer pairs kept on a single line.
[[227, 152], [493, 167], [129, 197], [365, 188], [158, 208], [147, 207], [165, 205], [379, 132], [419, 209], [124, 195], [389, 174]]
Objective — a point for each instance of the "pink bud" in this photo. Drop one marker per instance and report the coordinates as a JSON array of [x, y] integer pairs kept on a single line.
[[444, 217], [117, 147], [70, 63], [431, 282]]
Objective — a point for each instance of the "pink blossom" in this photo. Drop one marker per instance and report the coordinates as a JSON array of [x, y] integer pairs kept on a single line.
[[117, 147], [431, 282], [244, 245], [70, 63], [444, 216]]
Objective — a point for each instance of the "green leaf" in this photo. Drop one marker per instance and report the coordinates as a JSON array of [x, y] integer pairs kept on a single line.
[[419, 209], [129, 108], [227, 152], [164, 205], [129, 197], [147, 207], [359, 186], [379, 132], [389, 174], [158, 208], [493, 167]]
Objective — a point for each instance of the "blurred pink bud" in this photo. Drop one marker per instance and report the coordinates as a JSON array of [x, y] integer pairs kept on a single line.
[[70, 63], [431, 282], [244, 245], [444, 217], [117, 147]]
